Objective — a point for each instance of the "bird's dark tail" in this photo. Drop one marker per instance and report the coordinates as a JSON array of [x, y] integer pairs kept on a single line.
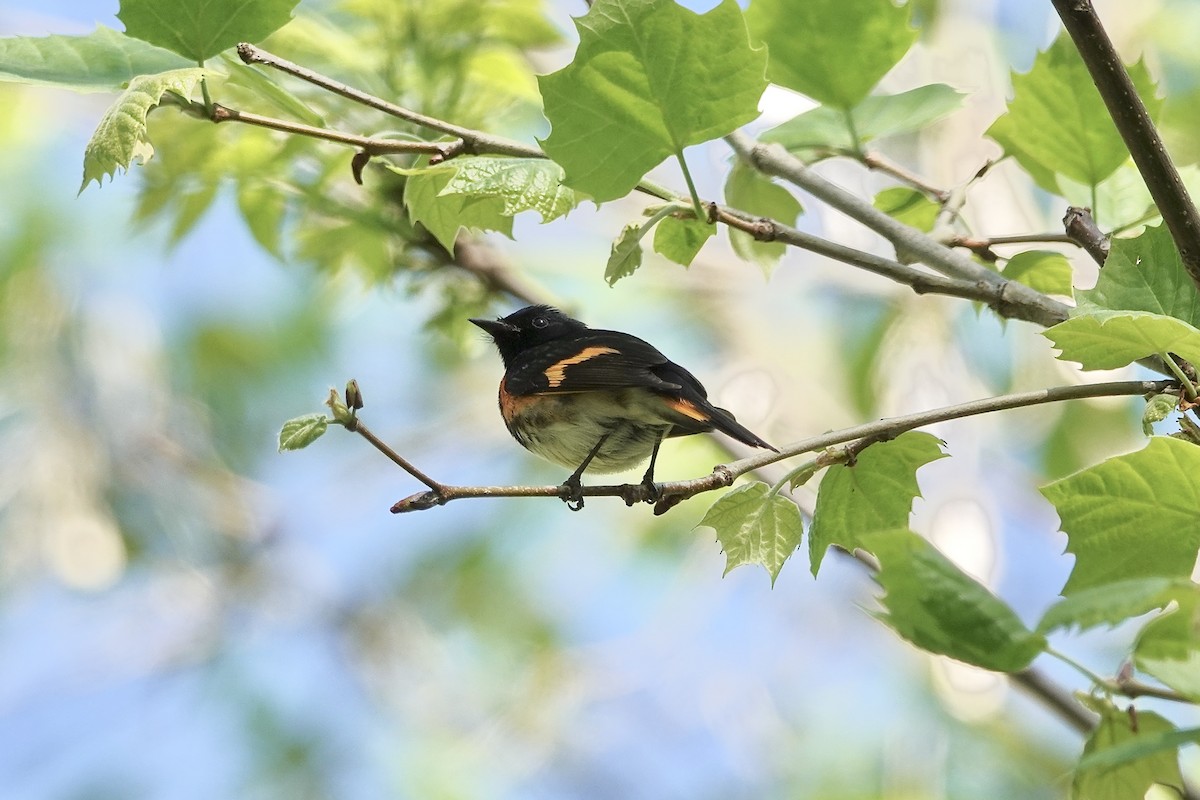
[[724, 422]]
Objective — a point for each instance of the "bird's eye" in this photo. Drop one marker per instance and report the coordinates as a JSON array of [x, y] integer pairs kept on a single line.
[[540, 322]]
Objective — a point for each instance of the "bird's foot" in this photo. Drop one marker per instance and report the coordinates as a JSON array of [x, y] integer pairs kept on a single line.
[[571, 492]]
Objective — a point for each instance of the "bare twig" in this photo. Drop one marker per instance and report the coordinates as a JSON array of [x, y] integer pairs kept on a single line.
[[368, 145], [1056, 698], [724, 475], [1083, 231], [878, 161], [774, 160], [1133, 122], [474, 141]]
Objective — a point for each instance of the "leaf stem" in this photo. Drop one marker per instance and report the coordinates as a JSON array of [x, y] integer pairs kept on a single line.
[[1188, 388], [1096, 680], [697, 206]]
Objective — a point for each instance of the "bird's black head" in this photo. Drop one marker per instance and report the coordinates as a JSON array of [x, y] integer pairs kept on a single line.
[[529, 327]]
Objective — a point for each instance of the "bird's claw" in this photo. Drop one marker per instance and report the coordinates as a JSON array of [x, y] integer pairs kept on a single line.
[[571, 493]]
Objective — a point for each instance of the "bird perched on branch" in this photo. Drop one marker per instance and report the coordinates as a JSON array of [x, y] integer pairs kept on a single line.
[[591, 399]]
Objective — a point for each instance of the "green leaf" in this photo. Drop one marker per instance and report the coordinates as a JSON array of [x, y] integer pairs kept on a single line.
[[521, 184], [121, 135], [1169, 646], [649, 79], [1042, 270], [681, 239], [935, 605], [747, 189], [1144, 744], [102, 61], [626, 254], [755, 526], [909, 206], [1157, 409], [1145, 274], [874, 494], [1057, 123], [1132, 516], [825, 130], [810, 43], [1111, 339], [443, 215], [299, 433], [1121, 762], [201, 30], [1111, 603]]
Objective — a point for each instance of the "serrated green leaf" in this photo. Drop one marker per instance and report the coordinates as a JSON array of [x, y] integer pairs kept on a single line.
[[200, 30], [1111, 603], [649, 78], [932, 603], [521, 184], [102, 61], [909, 206], [1111, 339], [1042, 270], [681, 239], [121, 135], [747, 189], [1116, 763], [825, 130], [298, 433], [755, 526], [626, 254], [809, 42], [1157, 409], [1057, 122], [1169, 646], [874, 494], [444, 215], [1132, 516], [1145, 274]]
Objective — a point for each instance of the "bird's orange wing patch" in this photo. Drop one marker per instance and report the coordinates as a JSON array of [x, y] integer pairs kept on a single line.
[[688, 409], [556, 373]]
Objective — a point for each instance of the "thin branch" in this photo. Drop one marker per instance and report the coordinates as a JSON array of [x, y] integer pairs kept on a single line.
[[1082, 229], [774, 160], [1133, 122], [368, 145], [1056, 698], [474, 141], [996, 295], [875, 160], [723, 475], [1130, 687]]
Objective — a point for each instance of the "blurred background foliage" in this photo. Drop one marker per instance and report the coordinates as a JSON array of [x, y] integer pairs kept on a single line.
[[186, 613]]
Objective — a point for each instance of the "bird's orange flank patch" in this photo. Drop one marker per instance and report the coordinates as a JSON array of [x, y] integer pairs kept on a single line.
[[556, 373]]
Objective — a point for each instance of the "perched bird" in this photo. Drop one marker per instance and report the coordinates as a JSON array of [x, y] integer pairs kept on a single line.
[[591, 399]]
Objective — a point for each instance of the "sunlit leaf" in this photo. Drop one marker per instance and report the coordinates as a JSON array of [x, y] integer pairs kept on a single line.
[[747, 189], [298, 433], [121, 135], [1169, 646], [626, 254], [1132, 516], [102, 61], [200, 30], [649, 78], [1111, 603], [909, 206], [681, 239], [1042, 270], [811, 43], [1111, 339], [1123, 758], [1145, 274], [875, 493], [755, 526], [1057, 122]]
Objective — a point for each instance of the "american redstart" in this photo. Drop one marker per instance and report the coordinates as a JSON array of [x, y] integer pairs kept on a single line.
[[591, 399]]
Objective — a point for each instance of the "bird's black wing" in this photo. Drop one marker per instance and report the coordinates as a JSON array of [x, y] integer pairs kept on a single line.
[[589, 361]]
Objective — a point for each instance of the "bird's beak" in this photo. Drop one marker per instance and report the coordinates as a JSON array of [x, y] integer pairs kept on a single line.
[[496, 328]]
